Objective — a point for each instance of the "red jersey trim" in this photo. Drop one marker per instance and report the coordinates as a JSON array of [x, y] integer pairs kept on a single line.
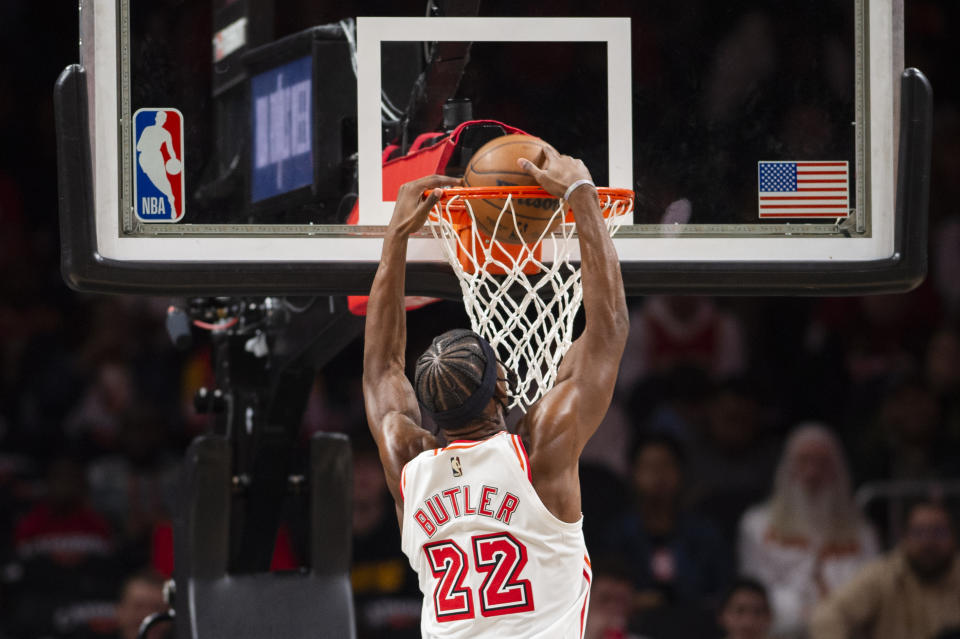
[[403, 480], [583, 610], [522, 454], [459, 445]]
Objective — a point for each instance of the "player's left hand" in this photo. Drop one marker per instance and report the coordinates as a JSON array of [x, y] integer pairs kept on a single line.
[[412, 209], [556, 172]]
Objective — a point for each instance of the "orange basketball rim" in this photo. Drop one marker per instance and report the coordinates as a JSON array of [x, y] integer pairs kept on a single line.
[[454, 208], [454, 197]]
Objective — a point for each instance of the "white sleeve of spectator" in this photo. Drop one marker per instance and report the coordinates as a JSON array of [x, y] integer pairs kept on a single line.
[[750, 554]]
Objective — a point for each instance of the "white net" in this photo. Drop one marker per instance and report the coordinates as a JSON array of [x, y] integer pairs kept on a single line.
[[522, 299]]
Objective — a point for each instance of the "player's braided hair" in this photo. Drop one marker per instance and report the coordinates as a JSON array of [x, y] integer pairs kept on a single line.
[[450, 371]]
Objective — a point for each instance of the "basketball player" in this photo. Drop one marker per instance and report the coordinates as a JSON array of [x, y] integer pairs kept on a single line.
[[493, 533], [152, 139]]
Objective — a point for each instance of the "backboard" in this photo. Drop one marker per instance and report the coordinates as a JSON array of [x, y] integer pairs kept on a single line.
[[252, 146]]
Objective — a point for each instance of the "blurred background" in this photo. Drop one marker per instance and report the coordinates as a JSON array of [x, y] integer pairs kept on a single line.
[[748, 436]]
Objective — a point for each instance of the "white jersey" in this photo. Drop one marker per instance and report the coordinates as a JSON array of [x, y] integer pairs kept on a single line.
[[491, 559]]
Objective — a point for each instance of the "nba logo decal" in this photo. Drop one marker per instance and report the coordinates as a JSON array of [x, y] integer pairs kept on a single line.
[[456, 467], [158, 188]]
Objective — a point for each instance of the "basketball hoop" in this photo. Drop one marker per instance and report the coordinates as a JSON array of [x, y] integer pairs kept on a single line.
[[522, 298]]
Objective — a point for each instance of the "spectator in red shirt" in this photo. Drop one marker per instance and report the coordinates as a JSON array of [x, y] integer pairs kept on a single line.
[[62, 527], [67, 574]]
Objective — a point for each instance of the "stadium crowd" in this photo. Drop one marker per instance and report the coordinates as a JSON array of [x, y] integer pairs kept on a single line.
[[739, 487]]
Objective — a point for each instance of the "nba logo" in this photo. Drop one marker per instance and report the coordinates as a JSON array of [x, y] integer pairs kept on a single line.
[[158, 165]]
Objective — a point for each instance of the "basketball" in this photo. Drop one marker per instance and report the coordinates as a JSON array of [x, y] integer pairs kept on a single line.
[[495, 164], [173, 166]]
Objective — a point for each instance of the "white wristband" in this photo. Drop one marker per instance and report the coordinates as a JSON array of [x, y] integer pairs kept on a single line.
[[576, 185]]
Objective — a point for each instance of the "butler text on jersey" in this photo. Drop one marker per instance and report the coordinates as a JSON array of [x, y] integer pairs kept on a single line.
[[457, 502]]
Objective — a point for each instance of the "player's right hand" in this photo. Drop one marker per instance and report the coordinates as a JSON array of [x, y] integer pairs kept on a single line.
[[411, 210], [557, 173]]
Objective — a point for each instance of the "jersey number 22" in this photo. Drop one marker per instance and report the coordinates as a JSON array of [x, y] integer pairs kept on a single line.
[[499, 557]]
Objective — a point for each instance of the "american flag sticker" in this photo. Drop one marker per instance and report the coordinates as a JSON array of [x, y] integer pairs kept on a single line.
[[803, 189]]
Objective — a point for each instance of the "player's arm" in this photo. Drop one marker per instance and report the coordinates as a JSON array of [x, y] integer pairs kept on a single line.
[[391, 405], [559, 425]]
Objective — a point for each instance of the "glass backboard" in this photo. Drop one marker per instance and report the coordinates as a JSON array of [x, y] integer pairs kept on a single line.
[[253, 146]]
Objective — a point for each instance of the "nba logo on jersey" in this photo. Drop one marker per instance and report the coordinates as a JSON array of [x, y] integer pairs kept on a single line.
[[158, 165]]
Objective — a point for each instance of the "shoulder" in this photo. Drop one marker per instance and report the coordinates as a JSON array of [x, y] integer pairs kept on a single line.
[[877, 581], [399, 440], [404, 437], [883, 572], [418, 459]]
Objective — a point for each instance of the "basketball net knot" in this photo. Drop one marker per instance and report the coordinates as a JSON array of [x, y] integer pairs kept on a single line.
[[521, 298]]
